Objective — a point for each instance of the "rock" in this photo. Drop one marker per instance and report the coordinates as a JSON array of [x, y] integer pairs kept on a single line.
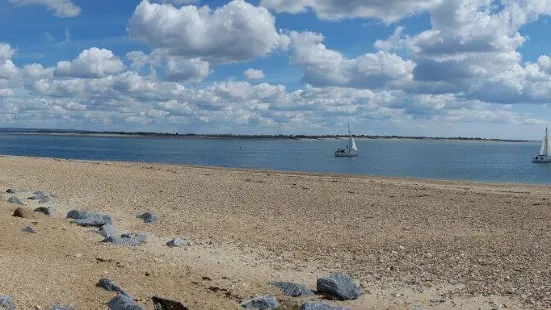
[[165, 304], [111, 286], [266, 302], [61, 308], [11, 191], [314, 305], [177, 242], [44, 200], [15, 200], [437, 300], [39, 195], [87, 218], [108, 230], [49, 211], [148, 217], [29, 229], [6, 303], [96, 221], [24, 213], [123, 302], [131, 239], [78, 214], [292, 289], [340, 286]]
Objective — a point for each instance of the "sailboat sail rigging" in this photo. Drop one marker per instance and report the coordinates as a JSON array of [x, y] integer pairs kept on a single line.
[[351, 149], [545, 151]]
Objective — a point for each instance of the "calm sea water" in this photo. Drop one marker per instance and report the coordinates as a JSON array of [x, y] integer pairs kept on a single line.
[[452, 160]]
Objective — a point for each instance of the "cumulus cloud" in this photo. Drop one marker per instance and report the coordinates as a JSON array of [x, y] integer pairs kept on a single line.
[[388, 11], [237, 31], [253, 74], [194, 70], [8, 70], [6, 52], [326, 67], [61, 8], [90, 63], [176, 68]]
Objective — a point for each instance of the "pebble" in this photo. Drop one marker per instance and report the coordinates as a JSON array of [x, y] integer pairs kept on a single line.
[[29, 229]]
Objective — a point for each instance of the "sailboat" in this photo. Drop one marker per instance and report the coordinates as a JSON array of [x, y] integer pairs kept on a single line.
[[351, 150], [545, 151]]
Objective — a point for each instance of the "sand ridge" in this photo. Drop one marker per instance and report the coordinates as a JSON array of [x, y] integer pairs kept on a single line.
[[412, 242]]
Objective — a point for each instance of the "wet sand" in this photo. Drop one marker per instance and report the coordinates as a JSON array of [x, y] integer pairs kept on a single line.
[[436, 244]]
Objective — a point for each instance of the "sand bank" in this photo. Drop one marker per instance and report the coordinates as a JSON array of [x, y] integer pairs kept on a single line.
[[435, 244]]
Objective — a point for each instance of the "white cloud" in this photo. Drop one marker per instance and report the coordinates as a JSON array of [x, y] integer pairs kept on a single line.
[[37, 71], [237, 31], [181, 70], [8, 70], [6, 52], [61, 8], [90, 63], [253, 74], [326, 67], [176, 68], [387, 11]]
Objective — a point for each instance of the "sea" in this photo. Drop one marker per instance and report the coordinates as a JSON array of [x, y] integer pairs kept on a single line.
[[478, 161]]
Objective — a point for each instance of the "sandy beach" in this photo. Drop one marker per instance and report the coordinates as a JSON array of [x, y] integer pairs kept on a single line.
[[410, 244]]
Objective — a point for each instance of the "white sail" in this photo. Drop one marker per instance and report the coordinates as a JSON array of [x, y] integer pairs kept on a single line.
[[354, 148], [542, 148], [351, 150], [548, 147]]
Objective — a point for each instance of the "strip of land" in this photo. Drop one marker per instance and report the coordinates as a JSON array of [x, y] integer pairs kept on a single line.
[[119, 134], [434, 244]]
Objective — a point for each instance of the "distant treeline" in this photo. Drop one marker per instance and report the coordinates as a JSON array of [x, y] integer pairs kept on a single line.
[[234, 136]]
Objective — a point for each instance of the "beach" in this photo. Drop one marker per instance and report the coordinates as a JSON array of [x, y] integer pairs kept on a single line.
[[407, 242]]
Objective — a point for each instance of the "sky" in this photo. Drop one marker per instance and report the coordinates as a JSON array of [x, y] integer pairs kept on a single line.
[[471, 68]]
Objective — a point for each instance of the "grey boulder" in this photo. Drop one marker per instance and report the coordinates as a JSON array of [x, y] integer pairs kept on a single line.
[[132, 239], [87, 218], [15, 200], [165, 304], [314, 305], [292, 289], [61, 308], [78, 214], [6, 303], [108, 230], [148, 217], [266, 302], [123, 302], [340, 286], [110, 285], [177, 242], [49, 211]]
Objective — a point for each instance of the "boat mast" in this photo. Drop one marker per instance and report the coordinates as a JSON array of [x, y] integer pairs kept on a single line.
[[349, 139], [546, 142]]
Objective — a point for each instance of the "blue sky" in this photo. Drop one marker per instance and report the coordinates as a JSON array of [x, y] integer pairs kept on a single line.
[[405, 67]]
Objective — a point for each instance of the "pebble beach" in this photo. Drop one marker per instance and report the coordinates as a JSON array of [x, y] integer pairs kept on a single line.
[[405, 243]]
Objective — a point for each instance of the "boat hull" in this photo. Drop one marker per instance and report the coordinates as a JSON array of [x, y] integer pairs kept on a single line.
[[339, 154], [541, 161]]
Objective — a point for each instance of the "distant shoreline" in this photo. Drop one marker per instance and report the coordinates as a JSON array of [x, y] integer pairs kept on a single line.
[[244, 137]]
